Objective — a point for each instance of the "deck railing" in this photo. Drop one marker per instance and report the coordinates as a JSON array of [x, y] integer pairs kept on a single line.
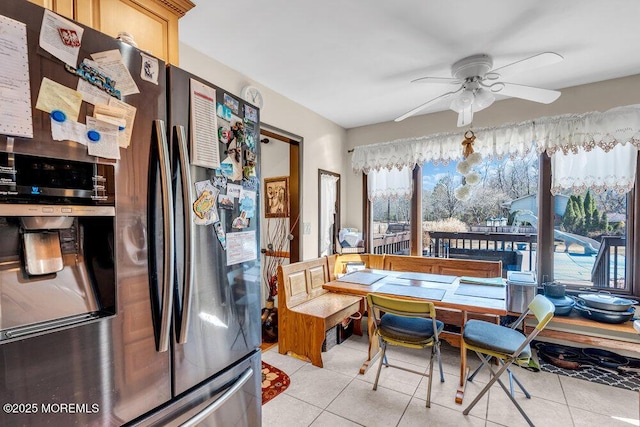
[[516, 250], [510, 248], [392, 243], [607, 271], [479, 245]]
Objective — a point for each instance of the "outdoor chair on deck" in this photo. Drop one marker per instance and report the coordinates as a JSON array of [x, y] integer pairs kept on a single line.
[[406, 323], [507, 345]]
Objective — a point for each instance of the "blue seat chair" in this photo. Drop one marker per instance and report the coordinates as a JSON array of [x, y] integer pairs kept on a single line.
[[406, 323], [507, 345]]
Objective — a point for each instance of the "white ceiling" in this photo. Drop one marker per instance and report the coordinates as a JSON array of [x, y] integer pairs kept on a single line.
[[352, 61]]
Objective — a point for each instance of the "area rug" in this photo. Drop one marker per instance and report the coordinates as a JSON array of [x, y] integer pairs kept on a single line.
[[625, 380], [274, 382]]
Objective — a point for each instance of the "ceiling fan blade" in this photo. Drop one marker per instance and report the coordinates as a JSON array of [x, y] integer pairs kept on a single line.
[[426, 104], [449, 80], [536, 94], [531, 63], [465, 117]]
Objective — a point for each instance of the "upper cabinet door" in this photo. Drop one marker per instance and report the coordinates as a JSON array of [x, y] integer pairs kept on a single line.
[[152, 23], [63, 7]]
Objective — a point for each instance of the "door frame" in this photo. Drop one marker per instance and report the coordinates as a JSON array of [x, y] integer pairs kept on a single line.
[[295, 183]]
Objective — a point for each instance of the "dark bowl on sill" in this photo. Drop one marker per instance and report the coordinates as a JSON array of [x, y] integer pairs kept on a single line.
[[563, 304], [554, 289]]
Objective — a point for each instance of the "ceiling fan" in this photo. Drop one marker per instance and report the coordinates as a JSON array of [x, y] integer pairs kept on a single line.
[[479, 83]]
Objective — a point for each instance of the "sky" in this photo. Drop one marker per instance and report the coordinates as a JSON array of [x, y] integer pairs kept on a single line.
[[431, 173]]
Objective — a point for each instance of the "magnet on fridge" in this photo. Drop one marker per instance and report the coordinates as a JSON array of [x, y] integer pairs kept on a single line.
[[222, 238], [58, 116], [93, 135]]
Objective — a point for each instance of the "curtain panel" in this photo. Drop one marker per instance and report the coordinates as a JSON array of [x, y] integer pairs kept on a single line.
[[328, 197], [389, 184]]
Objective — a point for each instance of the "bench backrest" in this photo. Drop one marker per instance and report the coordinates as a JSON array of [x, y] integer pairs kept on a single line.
[[302, 281], [338, 263], [446, 266]]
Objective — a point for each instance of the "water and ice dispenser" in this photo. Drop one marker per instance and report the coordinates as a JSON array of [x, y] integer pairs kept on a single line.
[[57, 249]]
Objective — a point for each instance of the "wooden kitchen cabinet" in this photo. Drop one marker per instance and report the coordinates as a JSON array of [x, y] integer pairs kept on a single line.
[[152, 23]]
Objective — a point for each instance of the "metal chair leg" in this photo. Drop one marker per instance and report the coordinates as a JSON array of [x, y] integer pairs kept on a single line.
[[517, 405], [478, 369], [430, 378], [495, 377], [382, 358], [512, 378], [515, 379], [439, 362]]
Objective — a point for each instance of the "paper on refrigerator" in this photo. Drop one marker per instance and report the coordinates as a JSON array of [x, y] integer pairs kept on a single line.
[[54, 96], [15, 92], [110, 63], [204, 126], [241, 247], [61, 37], [107, 144], [69, 131], [92, 94], [124, 138], [121, 116]]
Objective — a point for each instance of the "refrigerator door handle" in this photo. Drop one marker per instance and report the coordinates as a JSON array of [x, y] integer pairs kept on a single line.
[[168, 240], [210, 409], [189, 232]]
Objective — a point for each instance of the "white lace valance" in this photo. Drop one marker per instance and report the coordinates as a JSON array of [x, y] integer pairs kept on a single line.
[[390, 184], [597, 170], [548, 134], [605, 130]]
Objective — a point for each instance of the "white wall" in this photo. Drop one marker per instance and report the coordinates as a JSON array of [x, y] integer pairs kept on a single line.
[[579, 99], [323, 145]]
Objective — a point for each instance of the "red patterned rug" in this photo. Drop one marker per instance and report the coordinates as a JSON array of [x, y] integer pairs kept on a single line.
[[274, 382]]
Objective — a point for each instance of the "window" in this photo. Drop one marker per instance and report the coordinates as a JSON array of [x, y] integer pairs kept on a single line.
[[487, 213], [590, 239], [498, 220], [390, 195]]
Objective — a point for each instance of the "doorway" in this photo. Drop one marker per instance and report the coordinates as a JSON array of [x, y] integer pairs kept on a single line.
[[280, 157]]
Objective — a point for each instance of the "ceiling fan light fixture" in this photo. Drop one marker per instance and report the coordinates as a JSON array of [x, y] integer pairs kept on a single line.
[[483, 99], [462, 101]]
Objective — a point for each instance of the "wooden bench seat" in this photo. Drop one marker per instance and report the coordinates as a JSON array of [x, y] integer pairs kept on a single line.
[[306, 310]]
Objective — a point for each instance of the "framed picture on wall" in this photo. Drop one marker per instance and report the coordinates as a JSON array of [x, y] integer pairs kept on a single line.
[[276, 200]]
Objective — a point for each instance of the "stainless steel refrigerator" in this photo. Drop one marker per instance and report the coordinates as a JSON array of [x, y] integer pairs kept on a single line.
[[118, 305]]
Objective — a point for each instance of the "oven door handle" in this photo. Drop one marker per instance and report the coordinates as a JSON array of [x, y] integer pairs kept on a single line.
[[189, 231], [168, 236]]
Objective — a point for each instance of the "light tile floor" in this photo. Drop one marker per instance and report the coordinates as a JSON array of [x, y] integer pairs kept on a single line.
[[337, 395]]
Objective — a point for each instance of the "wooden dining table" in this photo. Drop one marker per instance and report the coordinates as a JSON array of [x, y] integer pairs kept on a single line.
[[446, 292]]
